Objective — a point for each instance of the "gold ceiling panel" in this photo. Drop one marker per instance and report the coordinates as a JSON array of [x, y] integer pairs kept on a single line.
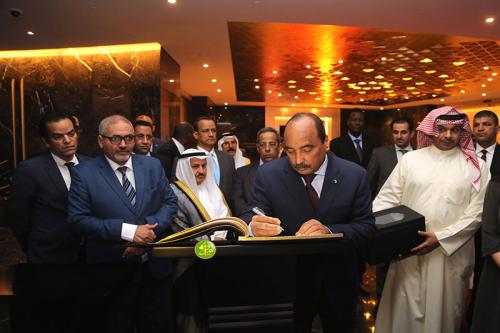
[[299, 63]]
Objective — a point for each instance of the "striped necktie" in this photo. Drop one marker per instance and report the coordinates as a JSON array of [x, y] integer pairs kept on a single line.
[[127, 186]]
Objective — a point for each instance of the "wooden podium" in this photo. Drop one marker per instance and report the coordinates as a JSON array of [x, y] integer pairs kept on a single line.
[[250, 286]]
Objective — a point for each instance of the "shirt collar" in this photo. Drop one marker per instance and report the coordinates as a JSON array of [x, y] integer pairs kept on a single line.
[[490, 149], [115, 165], [322, 169], [179, 145], [59, 161], [360, 137], [407, 148], [206, 151]]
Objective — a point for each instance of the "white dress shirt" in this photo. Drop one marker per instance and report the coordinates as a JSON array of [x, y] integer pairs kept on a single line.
[[399, 154], [179, 145], [128, 230], [489, 153], [210, 153], [360, 138], [63, 169]]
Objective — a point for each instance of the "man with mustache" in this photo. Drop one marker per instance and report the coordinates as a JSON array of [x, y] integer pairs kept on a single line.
[[230, 144], [269, 149], [117, 198], [39, 195], [446, 182], [312, 192]]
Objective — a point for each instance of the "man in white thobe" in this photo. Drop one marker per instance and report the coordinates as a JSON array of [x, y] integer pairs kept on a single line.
[[230, 144], [444, 181]]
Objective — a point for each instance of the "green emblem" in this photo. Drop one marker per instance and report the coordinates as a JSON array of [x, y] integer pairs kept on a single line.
[[205, 249]]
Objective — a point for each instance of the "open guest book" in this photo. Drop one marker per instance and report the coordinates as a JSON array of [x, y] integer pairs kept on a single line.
[[234, 224]]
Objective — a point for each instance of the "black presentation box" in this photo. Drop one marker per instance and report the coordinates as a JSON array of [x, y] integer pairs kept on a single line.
[[396, 234]]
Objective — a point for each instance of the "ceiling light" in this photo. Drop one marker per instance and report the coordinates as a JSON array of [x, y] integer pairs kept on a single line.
[[172, 1], [381, 108], [419, 83], [255, 80], [338, 99], [292, 86], [462, 91], [431, 71], [171, 80], [214, 80], [383, 58], [377, 88], [493, 74], [205, 65], [438, 89], [327, 95], [301, 90], [368, 70], [486, 68], [490, 79], [318, 98], [426, 60], [434, 95], [362, 83], [459, 63], [309, 76], [340, 61], [489, 20], [372, 82], [367, 88], [325, 83], [31, 33], [338, 91], [379, 77], [293, 104], [292, 81], [415, 92], [483, 85], [345, 78], [400, 69], [443, 76], [407, 78], [257, 87], [449, 85], [362, 99], [312, 93], [442, 99], [219, 90], [308, 66], [385, 98], [410, 88], [275, 72], [392, 95], [324, 105], [296, 97], [389, 91], [280, 94], [269, 91], [338, 73], [226, 103], [450, 80], [361, 92], [406, 97], [483, 94]]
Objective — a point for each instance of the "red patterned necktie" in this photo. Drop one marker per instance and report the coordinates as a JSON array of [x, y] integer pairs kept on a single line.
[[311, 192]]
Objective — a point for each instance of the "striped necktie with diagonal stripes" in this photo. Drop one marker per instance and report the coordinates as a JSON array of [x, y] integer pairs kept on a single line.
[[127, 186]]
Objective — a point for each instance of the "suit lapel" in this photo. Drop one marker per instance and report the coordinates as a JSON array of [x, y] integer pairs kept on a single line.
[[330, 186], [110, 177], [139, 175], [393, 155], [55, 175]]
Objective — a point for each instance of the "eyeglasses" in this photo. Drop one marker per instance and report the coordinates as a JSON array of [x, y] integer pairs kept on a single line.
[[117, 139], [60, 136]]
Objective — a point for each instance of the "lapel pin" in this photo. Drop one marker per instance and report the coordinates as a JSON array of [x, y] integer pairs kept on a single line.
[[335, 181]]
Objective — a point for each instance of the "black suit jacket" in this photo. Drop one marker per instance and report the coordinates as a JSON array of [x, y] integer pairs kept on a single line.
[[242, 187], [38, 211], [169, 149], [166, 163], [227, 170], [344, 148], [495, 162]]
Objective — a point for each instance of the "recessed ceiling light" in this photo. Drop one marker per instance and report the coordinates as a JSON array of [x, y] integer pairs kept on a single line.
[[448, 85], [483, 94], [483, 85], [257, 87], [214, 80], [171, 1], [406, 97], [426, 60], [275, 72], [309, 76], [489, 20], [280, 94], [419, 83], [292, 86], [493, 74], [368, 70], [345, 78], [443, 76], [431, 71], [338, 99], [385, 98], [407, 78], [442, 99], [293, 104], [171, 80], [381, 108], [462, 91], [379, 77], [490, 79], [300, 90], [31, 33], [324, 105], [226, 103], [312, 93], [361, 92], [255, 80], [434, 95], [486, 68], [318, 98], [219, 90], [410, 88], [338, 91], [296, 97], [400, 69], [459, 63], [362, 100], [308, 66], [340, 61], [362, 83], [269, 91], [205, 65], [292, 81], [383, 58], [337, 73], [438, 89]]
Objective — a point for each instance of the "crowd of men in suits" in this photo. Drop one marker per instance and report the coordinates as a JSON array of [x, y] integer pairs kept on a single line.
[[65, 207]]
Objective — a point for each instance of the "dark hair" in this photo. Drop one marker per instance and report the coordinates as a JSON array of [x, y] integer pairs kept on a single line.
[[487, 113], [149, 115], [402, 120], [351, 111], [142, 123], [195, 124], [182, 130], [52, 118], [268, 130], [317, 122]]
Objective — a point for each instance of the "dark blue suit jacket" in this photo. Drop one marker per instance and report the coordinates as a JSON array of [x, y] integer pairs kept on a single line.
[[38, 211], [345, 202], [98, 205]]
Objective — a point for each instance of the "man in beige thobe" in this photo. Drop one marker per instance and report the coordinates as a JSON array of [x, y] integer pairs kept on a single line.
[[444, 181]]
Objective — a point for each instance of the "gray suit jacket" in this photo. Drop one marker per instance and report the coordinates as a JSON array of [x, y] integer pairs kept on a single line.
[[381, 164]]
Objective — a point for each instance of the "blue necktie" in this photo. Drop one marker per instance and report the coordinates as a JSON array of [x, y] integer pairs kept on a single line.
[[359, 151], [216, 168], [127, 186]]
